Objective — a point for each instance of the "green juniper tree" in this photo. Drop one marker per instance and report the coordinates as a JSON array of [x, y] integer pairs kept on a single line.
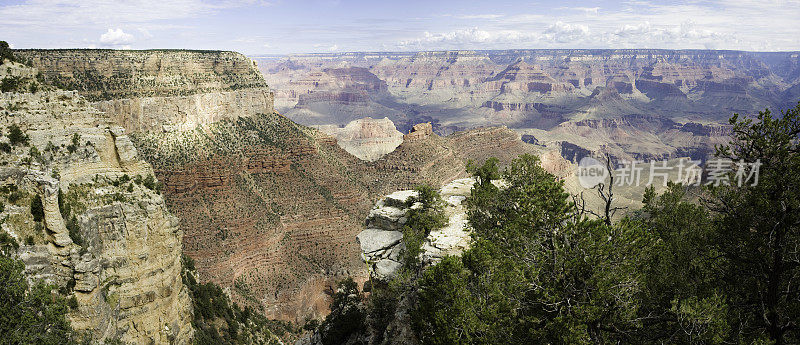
[[681, 302], [537, 272], [30, 315], [758, 228]]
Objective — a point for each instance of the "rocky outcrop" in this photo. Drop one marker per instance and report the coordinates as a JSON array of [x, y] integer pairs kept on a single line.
[[382, 241], [158, 89], [106, 237], [367, 138], [419, 132], [185, 112]]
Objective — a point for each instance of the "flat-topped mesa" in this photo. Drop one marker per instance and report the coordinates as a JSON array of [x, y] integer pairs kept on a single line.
[[158, 89]]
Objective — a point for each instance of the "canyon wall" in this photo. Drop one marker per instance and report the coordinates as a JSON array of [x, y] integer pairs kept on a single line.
[[544, 92], [271, 208], [105, 236], [158, 89]]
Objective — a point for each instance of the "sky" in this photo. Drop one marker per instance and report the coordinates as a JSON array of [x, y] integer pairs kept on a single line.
[[272, 27]]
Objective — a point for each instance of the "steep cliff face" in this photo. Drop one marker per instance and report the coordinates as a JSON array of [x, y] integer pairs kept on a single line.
[[105, 235], [158, 89]]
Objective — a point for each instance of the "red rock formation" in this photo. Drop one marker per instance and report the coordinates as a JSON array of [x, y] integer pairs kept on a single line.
[[419, 132]]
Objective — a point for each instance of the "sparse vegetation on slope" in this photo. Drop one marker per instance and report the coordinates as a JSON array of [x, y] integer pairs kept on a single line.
[[219, 321]]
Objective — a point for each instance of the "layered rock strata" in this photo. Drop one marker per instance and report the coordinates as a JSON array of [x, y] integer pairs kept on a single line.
[[106, 236], [158, 89], [536, 91], [367, 138]]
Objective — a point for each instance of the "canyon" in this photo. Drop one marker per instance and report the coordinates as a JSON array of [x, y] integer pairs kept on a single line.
[[270, 167], [269, 208], [677, 100]]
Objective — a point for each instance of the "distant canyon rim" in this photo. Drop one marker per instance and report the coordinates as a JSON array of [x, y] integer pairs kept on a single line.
[[630, 103]]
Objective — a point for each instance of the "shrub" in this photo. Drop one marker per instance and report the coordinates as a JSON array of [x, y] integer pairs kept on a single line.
[[15, 196], [6, 53], [16, 136], [72, 302], [72, 147], [37, 208], [9, 84], [74, 229], [35, 154], [31, 315], [7, 244], [149, 182], [346, 317]]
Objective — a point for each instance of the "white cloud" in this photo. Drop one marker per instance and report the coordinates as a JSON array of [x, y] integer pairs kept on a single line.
[[722, 24], [585, 10], [116, 37], [565, 33], [477, 38], [468, 38], [479, 16], [647, 35], [629, 30]]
